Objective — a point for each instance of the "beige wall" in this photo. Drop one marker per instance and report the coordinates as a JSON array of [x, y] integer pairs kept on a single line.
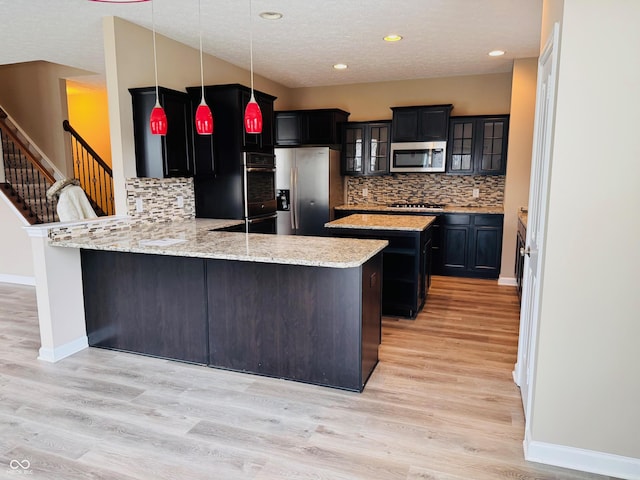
[[16, 262], [587, 384], [34, 95], [178, 68], [88, 109], [516, 194], [470, 95]]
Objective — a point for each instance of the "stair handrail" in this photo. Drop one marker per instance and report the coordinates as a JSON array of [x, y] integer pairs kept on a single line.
[[25, 150], [68, 128], [94, 175]]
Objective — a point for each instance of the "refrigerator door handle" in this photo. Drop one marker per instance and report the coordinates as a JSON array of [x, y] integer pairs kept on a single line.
[[295, 204], [292, 200]]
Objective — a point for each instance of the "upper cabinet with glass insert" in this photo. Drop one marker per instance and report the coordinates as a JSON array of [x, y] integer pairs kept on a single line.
[[365, 148], [478, 145]]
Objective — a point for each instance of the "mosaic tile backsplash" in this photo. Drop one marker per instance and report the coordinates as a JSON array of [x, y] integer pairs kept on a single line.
[[433, 188], [160, 199]]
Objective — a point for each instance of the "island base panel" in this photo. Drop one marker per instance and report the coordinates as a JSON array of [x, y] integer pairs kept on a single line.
[[311, 324], [151, 304]]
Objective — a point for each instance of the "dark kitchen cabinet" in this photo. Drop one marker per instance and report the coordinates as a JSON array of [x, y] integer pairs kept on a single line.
[[161, 156], [365, 148], [421, 123], [471, 245], [227, 104], [478, 145], [406, 267], [309, 127]]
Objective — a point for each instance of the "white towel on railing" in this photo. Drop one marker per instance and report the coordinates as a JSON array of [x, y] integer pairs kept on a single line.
[[74, 205]]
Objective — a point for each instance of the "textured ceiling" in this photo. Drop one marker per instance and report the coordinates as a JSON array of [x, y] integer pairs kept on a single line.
[[441, 37]]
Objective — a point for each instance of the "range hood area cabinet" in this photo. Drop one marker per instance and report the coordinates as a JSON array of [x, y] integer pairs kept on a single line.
[[427, 123], [321, 127], [159, 156], [478, 145]]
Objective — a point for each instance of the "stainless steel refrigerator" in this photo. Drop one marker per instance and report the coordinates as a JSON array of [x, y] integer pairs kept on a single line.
[[308, 187]]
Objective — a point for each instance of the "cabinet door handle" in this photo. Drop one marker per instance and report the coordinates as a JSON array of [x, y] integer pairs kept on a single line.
[[525, 251]]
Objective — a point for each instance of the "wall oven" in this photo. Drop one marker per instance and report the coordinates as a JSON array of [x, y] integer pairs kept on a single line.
[[260, 192], [418, 156]]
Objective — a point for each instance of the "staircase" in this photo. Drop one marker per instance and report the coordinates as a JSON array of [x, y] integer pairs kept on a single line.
[[25, 175], [25, 179]]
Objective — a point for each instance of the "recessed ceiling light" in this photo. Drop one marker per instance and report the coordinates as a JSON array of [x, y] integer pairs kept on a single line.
[[496, 53], [340, 66], [392, 38], [271, 15]]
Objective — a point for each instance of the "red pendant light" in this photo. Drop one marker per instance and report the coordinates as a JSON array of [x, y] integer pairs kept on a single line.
[[158, 119], [252, 114], [204, 118]]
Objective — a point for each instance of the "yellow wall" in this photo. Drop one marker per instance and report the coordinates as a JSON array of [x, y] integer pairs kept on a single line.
[[516, 192], [88, 110]]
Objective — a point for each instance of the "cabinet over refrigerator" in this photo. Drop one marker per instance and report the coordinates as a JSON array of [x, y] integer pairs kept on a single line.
[[308, 186]]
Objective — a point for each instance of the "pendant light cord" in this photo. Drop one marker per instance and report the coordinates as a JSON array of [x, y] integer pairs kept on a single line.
[[155, 57], [201, 68], [251, 43]]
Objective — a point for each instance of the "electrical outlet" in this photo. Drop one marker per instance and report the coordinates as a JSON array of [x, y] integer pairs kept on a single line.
[[139, 205], [180, 201], [365, 192], [476, 192]]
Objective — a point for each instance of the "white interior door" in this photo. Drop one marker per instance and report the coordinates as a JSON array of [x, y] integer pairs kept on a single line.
[[538, 195]]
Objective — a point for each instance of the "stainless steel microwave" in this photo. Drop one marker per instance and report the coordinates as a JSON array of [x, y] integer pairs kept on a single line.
[[418, 156]]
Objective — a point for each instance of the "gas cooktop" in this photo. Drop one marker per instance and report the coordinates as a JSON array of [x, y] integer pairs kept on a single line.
[[424, 206]]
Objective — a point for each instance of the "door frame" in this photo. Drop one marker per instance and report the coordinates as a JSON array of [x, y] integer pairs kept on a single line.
[[524, 369]]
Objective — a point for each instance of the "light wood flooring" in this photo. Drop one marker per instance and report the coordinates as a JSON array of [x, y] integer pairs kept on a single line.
[[440, 405]]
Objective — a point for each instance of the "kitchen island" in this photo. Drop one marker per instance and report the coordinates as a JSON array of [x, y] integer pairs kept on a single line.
[[406, 260], [299, 308]]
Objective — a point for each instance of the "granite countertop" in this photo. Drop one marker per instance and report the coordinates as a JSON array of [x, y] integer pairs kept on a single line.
[[447, 209], [368, 221], [194, 238]]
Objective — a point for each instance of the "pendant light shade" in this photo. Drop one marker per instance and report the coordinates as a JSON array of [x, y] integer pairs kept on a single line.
[[204, 119], [252, 114], [253, 117], [158, 120]]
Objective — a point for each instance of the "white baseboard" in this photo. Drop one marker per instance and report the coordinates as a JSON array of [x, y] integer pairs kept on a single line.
[[582, 460], [18, 279], [63, 351], [511, 281]]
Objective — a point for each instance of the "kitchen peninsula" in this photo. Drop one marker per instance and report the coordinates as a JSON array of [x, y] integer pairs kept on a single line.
[[299, 308]]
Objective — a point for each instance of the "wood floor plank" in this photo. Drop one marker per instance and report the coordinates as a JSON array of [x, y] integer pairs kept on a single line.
[[440, 405]]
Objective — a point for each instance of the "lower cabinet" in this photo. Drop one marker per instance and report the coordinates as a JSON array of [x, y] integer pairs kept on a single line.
[[310, 324], [471, 245], [406, 270], [463, 245]]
